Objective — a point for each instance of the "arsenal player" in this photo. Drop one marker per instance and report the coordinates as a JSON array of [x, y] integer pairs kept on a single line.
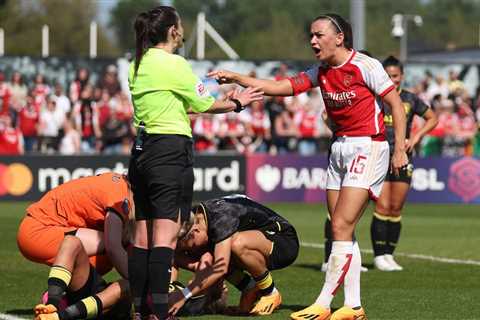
[[359, 160]]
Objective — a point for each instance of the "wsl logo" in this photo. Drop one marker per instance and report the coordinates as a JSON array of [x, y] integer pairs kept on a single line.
[[464, 179], [16, 179]]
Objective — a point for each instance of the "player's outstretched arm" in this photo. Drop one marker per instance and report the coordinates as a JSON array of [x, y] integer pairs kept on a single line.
[[269, 87]]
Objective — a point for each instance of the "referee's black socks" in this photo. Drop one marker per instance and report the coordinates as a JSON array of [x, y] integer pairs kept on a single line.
[[138, 277], [159, 270]]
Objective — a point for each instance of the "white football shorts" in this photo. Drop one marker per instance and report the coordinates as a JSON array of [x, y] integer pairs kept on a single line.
[[358, 162]]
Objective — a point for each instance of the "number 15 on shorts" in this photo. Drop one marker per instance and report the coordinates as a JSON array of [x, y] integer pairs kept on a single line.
[[358, 164]]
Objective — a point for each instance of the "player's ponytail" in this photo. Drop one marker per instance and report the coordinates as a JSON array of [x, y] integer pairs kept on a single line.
[[341, 26], [151, 28], [141, 38]]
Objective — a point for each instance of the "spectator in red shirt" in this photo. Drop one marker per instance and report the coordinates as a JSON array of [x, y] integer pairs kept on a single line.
[[5, 95], [11, 139], [467, 127], [41, 89], [29, 117], [230, 132], [85, 114], [307, 120], [204, 130], [104, 107], [258, 125]]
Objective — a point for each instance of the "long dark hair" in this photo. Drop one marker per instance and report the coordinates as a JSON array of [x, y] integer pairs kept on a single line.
[[341, 26], [151, 27]]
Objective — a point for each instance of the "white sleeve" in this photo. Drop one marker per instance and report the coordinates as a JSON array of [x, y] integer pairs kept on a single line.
[[375, 76]]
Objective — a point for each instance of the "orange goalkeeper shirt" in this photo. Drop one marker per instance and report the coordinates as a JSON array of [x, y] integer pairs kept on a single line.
[[84, 202]]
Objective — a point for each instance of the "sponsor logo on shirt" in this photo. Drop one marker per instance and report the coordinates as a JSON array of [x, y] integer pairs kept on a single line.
[[338, 99]]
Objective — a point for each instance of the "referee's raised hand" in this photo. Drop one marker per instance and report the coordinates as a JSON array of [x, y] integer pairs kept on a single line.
[[247, 95]]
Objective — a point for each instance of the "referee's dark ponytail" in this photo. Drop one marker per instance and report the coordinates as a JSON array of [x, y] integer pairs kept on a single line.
[[341, 26], [151, 28]]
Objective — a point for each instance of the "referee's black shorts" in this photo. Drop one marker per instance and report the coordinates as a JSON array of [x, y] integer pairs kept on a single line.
[[285, 245], [161, 177]]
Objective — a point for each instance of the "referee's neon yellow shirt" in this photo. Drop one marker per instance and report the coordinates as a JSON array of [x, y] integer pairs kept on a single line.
[[164, 89]]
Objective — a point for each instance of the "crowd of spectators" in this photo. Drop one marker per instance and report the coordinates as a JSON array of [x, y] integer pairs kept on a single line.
[[90, 118], [85, 118]]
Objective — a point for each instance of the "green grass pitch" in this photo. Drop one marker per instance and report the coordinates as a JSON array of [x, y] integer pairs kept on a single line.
[[426, 289]]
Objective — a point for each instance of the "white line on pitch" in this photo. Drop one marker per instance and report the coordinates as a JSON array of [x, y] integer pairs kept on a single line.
[[4, 316], [407, 255]]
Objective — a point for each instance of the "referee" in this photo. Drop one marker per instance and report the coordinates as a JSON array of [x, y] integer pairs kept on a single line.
[[164, 89]]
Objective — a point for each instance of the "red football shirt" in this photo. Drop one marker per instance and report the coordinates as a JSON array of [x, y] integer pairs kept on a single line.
[[349, 92]]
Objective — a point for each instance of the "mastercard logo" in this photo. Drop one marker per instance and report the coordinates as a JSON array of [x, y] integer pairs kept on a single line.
[[16, 179]]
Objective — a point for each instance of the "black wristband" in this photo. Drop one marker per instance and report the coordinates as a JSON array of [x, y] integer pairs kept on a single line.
[[238, 104]]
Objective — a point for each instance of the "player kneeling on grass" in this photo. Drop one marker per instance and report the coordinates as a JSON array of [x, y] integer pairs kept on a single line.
[[74, 280], [97, 210], [247, 240]]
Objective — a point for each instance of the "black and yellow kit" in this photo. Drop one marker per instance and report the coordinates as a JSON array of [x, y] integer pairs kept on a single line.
[[413, 106], [228, 215]]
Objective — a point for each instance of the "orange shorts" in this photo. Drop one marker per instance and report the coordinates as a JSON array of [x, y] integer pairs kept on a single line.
[[40, 243]]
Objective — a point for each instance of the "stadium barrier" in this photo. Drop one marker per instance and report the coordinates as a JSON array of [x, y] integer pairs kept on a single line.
[[28, 177], [286, 178]]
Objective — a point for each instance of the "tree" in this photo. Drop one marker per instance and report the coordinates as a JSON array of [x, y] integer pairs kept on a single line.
[[123, 17], [68, 21], [266, 29], [260, 29]]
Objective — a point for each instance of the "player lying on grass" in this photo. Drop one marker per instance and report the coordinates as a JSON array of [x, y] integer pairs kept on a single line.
[[97, 210], [245, 240], [74, 280], [212, 300]]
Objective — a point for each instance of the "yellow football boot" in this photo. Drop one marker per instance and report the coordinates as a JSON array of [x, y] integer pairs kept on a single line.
[[47, 316], [44, 309], [267, 304], [314, 312], [347, 313]]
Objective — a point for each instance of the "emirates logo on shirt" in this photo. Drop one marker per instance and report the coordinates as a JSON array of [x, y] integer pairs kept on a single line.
[[338, 99]]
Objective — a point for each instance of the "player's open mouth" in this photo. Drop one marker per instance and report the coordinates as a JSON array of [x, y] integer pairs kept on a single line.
[[316, 50]]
